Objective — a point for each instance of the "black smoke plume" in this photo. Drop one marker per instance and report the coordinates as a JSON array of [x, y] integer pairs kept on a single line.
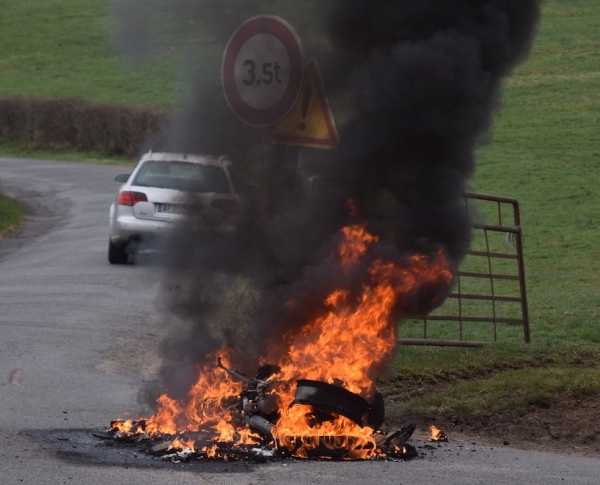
[[421, 79]]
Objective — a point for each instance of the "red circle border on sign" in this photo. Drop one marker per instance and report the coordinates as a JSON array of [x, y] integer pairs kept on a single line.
[[284, 32]]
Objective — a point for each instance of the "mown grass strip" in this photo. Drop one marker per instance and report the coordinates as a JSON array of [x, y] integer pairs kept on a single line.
[[11, 215], [435, 365], [516, 392]]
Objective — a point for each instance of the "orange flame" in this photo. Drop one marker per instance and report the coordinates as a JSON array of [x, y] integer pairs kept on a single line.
[[356, 243], [352, 339], [437, 434], [206, 409], [182, 444], [295, 431]]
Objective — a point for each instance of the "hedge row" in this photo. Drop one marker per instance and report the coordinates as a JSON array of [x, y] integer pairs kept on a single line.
[[79, 125]]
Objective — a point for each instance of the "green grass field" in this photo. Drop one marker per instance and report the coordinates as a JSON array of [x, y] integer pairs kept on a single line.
[[544, 151], [63, 48]]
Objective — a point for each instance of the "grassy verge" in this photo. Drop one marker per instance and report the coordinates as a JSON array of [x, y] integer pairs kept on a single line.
[[11, 215], [502, 384], [517, 392]]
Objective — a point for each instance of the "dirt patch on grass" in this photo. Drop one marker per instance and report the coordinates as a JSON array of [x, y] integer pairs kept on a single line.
[[567, 426]]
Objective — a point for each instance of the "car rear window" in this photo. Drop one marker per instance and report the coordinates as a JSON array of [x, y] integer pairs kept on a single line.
[[189, 177]]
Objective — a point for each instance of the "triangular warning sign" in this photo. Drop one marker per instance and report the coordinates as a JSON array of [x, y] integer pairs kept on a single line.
[[310, 124]]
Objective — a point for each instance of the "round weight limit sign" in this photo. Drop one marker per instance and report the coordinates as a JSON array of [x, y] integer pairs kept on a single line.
[[262, 70]]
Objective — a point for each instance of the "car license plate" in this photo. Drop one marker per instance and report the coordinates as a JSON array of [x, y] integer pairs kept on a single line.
[[170, 209]]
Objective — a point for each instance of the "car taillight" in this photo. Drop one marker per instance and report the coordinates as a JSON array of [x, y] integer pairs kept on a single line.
[[227, 206], [128, 197]]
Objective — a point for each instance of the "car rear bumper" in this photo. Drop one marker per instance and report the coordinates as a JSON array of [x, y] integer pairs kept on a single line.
[[125, 228]]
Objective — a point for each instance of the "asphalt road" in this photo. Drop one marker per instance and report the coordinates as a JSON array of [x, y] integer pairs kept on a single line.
[[78, 336]]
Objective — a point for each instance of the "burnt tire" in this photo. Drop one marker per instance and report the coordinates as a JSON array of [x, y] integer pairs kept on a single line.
[[116, 254]]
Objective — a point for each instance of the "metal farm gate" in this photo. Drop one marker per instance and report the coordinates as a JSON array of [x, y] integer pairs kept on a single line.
[[489, 300]]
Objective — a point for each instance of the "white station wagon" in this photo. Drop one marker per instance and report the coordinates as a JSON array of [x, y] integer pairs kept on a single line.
[[163, 190]]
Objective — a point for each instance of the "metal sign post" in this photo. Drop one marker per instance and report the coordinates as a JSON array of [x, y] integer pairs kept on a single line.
[[262, 74]]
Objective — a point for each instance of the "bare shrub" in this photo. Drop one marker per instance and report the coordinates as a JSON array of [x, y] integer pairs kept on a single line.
[[76, 124]]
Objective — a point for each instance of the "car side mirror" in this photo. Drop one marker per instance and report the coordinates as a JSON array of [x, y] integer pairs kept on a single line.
[[122, 177]]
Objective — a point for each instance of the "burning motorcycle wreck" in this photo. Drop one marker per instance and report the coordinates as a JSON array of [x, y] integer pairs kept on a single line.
[[319, 399], [256, 411]]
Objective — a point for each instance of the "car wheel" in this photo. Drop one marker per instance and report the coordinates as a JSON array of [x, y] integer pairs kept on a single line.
[[116, 254]]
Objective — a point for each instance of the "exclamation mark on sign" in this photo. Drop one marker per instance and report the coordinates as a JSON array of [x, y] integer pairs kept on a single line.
[[306, 95]]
